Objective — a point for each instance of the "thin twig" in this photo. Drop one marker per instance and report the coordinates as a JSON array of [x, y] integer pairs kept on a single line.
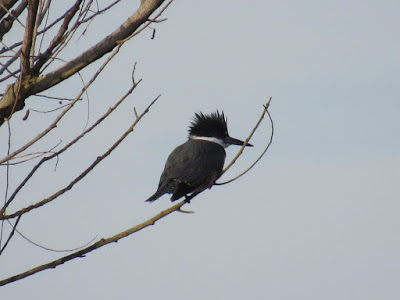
[[29, 156], [248, 138], [61, 115], [102, 242], [154, 20], [101, 119], [28, 38], [11, 14], [48, 111], [14, 228], [9, 63], [7, 178], [80, 176], [60, 36], [266, 148], [55, 98], [51, 249], [2, 210]]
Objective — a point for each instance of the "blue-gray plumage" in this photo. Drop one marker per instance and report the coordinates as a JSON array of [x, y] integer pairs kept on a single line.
[[198, 163]]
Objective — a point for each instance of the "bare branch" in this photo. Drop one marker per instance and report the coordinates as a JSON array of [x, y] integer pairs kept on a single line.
[[266, 106], [14, 228], [31, 86], [60, 116], [27, 43], [110, 110], [30, 241], [98, 244], [7, 64], [98, 12], [147, 24], [6, 5], [248, 138], [59, 37], [31, 156], [7, 23], [82, 175]]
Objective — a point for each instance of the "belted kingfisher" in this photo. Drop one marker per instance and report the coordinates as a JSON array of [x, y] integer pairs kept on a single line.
[[197, 164]]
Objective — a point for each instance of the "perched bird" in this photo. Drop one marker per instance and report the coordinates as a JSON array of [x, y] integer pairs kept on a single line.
[[197, 164]]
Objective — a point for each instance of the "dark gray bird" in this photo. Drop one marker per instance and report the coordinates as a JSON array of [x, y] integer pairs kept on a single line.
[[197, 164]]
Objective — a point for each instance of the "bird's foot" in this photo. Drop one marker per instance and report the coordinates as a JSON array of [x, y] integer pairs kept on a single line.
[[187, 199]]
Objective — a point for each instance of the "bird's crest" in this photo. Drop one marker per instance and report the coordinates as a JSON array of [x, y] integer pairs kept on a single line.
[[212, 125]]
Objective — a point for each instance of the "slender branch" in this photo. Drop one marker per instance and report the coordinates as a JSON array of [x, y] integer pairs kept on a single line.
[[30, 241], [59, 37], [54, 124], [56, 154], [7, 22], [41, 32], [7, 64], [154, 20], [55, 97], [30, 156], [100, 11], [266, 106], [38, 84], [248, 138], [25, 59], [102, 242], [84, 173], [6, 5], [65, 38], [27, 43], [7, 180], [14, 228]]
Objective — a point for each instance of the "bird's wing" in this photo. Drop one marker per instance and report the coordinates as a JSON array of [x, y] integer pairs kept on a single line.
[[193, 162]]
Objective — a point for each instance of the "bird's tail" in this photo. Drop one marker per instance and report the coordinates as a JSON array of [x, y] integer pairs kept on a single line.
[[166, 188], [155, 196], [169, 187]]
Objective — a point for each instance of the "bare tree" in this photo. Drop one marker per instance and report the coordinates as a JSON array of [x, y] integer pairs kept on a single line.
[[33, 65]]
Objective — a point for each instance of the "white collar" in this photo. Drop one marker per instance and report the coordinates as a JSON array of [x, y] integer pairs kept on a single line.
[[209, 139]]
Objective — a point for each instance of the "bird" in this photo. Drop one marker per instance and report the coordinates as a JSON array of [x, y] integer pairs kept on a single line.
[[196, 164]]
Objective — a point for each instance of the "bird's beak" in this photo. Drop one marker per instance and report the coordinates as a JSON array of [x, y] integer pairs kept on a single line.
[[232, 141]]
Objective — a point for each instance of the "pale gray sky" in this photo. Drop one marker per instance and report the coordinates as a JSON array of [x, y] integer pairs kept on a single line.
[[319, 216]]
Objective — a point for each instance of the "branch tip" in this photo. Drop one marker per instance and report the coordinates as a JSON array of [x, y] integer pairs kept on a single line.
[[185, 211], [265, 111]]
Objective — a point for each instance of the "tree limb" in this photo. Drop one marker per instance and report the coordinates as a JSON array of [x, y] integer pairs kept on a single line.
[[84, 173], [265, 111], [66, 147], [36, 84], [27, 43], [98, 244], [62, 114], [59, 37], [7, 22]]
